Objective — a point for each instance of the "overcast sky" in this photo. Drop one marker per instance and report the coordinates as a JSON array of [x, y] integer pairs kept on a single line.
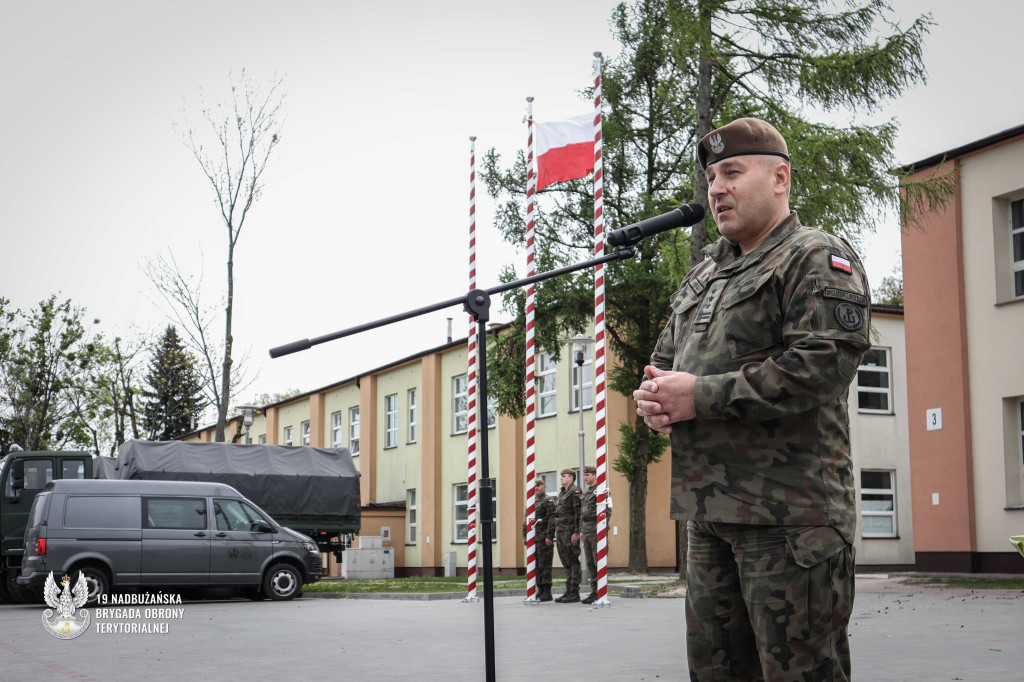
[[365, 210]]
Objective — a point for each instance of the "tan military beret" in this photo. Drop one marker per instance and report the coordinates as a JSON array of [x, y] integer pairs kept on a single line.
[[589, 469], [742, 136], [569, 471]]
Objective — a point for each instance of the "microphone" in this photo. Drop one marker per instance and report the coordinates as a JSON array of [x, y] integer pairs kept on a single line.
[[684, 216]]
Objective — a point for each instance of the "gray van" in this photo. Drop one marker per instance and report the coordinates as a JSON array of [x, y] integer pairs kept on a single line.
[[148, 534]]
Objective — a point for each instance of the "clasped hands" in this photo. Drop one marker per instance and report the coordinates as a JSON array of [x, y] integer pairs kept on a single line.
[[665, 398]]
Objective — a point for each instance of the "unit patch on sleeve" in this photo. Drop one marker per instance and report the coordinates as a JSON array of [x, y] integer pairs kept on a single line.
[[849, 316], [844, 295]]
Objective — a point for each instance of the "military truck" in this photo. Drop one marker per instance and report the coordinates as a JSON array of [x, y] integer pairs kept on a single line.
[[22, 476], [314, 491]]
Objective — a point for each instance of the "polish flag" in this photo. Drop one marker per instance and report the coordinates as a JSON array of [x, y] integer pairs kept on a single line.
[[565, 150]]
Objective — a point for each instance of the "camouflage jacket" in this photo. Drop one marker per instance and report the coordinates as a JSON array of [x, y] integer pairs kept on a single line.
[[589, 507], [544, 517], [568, 509], [775, 337]]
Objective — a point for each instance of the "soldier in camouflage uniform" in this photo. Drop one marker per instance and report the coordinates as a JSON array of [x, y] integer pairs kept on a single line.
[[750, 378], [544, 537], [588, 527], [567, 525]]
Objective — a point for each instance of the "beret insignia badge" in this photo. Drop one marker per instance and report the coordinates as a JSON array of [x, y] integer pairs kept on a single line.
[[717, 145]]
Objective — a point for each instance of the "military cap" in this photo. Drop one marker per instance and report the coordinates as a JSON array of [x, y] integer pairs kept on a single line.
[[590, 469], [569, 471], [742, 136]]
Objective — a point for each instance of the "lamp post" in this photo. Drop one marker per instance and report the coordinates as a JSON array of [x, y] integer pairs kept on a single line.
[[247, 414], [579, 345]]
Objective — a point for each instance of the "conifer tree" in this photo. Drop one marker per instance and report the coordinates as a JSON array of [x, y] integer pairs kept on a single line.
[[174, 400]]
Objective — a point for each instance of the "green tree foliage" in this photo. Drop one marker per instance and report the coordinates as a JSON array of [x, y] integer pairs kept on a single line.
[[890, 289], [174, 396], [685, 67], [45, 358]]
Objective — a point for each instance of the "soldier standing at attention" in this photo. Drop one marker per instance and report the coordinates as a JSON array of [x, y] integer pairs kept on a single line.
[[588, 527], [568, 528], [750, 378], [544, 537]]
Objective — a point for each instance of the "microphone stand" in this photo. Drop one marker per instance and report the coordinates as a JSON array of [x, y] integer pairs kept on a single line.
[[477, 303]]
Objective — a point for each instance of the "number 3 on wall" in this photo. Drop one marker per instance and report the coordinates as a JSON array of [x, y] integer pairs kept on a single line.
[[934, 418]]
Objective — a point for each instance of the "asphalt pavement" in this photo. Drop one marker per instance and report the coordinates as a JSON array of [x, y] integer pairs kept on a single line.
[[898, 633]]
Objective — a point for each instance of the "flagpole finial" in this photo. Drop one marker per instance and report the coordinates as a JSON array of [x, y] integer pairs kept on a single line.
[[597, 54], [529, 99], [472, 138]]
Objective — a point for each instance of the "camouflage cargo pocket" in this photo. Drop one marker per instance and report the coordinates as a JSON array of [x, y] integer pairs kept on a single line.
[[820, 585]]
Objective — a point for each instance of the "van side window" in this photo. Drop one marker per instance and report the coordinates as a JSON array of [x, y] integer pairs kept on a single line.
[[72, 468], [178, 513], [235, 515], [102, 511]]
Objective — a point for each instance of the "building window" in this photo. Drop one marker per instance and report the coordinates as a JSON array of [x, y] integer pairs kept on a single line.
[[545, 385], [492, 410], [288, 436], [550, 479], [353, 431], [460, 404], [412, 415], [461, 514], [1017, 246], [410, 516], [588, 380], [874, 384], [262, 440], [878, 504], [305, 432], [391, 420], [337, 429]]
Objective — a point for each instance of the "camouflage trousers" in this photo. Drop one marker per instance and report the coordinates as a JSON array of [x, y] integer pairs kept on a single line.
[[590, 552], [570, 558], [545, 555], [768, 602]]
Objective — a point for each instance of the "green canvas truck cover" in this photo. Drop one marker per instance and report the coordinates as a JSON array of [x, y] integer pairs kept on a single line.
[[316, 484]]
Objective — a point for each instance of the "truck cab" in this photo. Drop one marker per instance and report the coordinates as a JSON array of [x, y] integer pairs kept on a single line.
[[22, 476]]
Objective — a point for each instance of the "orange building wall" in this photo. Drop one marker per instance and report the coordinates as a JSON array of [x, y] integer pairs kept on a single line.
[[937, 376]]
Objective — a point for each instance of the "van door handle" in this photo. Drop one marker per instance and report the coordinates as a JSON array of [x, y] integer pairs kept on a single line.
[[222, 535], [200, 534]]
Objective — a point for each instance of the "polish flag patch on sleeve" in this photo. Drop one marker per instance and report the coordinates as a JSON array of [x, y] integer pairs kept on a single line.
[[840, 263]]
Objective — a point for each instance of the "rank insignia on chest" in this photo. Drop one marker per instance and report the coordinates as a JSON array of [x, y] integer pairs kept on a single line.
[[707, 307]]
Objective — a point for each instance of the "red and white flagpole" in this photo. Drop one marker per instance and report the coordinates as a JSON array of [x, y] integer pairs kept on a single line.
[[471, 428], [531, 396], [600, 413]]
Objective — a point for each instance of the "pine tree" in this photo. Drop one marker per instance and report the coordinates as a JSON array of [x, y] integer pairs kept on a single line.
[[175, 399], [686, 67]]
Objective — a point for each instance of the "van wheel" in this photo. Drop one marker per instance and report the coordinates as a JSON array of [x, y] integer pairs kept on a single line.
[[96, 581], [282, 582], [16, 594]]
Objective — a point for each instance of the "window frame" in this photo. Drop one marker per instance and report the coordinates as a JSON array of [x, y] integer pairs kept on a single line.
[[460, 404], [390, 421], [353, 431], [413, 415], [337, 429], [1016, 265], [304, 432], [546, 385], [410, 516], [288, 436], [588, 387], [877, 369], [891, 491]]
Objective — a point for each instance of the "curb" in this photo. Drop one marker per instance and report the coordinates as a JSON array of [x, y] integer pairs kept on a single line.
[[623, 592]]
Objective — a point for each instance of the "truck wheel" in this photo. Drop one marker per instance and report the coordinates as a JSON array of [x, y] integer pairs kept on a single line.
[[15, 593], [96, 581], [282, 582]]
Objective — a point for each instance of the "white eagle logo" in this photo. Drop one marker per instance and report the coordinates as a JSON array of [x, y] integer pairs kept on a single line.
[[65, 625], [717, 145]]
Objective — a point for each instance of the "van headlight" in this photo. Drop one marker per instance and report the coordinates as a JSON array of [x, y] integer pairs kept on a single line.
[[310, 547]]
